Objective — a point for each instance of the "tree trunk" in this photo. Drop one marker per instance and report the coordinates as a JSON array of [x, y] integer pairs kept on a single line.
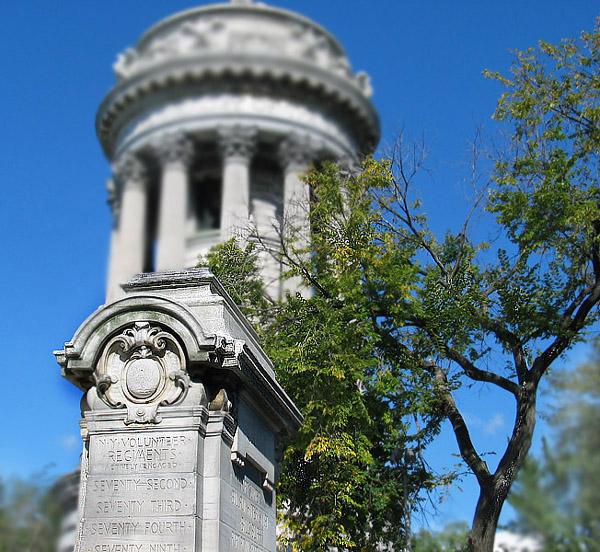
[[485, 521], [494, 490]]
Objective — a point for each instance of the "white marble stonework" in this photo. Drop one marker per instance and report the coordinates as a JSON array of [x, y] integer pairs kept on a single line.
[[182, 419], [204, 114], [209, 76]]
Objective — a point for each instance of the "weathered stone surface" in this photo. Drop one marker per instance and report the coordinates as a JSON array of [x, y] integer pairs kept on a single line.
[[181, 419]]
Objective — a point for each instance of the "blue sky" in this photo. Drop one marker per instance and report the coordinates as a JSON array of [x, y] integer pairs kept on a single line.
[[425, 59]]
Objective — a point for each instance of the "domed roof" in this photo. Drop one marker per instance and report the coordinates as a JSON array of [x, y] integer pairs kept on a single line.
[[244, 40]]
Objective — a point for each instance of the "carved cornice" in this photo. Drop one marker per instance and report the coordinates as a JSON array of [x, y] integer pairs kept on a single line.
[[245, 47], [130, 168], [238, 142], [174, 148], [133, 354], [281, 76]]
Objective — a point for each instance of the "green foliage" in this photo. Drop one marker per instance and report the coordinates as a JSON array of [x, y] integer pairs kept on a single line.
[[547, 195], [238, 271], [556, 495], [399, 318], [29, 517], [344, 480], [451, 538]]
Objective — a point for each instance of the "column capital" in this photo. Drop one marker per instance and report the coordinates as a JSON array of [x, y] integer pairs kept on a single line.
[[237, 141], [297, 152], [130, 168], [175, 147]]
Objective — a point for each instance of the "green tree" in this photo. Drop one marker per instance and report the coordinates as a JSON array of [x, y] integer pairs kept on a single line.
[[400, 318], [556, 495], [451, 538], [346, 480], [29, 516]]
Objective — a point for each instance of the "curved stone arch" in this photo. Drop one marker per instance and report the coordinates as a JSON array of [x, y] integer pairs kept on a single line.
[[80, 355]]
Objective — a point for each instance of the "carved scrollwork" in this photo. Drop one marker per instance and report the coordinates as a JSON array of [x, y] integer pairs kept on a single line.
[[236, 141], [130, 168], [141, 369], [180, 380], [103, 383]]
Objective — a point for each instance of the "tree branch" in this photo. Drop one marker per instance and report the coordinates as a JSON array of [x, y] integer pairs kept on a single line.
[[560, 343], [461, 431], [468, 367], [513, 343], [481, 375]]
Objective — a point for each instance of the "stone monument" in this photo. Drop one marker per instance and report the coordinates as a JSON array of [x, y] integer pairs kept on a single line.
[[216, 113], [182, 421]]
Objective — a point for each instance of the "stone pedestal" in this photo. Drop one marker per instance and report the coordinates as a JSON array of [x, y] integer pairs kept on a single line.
[[182, 416]]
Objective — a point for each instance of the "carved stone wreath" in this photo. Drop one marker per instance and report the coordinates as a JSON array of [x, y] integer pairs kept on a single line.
[[141, 369]]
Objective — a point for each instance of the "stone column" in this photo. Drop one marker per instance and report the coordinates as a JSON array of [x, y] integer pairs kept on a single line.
[[295, 157], [237, 147], [129, 245], [175, 153], [115, 208]]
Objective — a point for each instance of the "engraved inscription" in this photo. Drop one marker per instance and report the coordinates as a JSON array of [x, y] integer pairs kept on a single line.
[[250, 529], [140, 507], [121, 507], [139, 547], [140, 496], [143, 453], [254, 522], [140, 528], [141, 484], [141, 493], [238, 542]]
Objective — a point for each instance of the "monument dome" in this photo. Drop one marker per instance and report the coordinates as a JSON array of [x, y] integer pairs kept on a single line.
[[252, 63], [215, 114]]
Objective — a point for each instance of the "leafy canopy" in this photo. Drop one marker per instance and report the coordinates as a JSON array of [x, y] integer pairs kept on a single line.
[[399, 317]]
